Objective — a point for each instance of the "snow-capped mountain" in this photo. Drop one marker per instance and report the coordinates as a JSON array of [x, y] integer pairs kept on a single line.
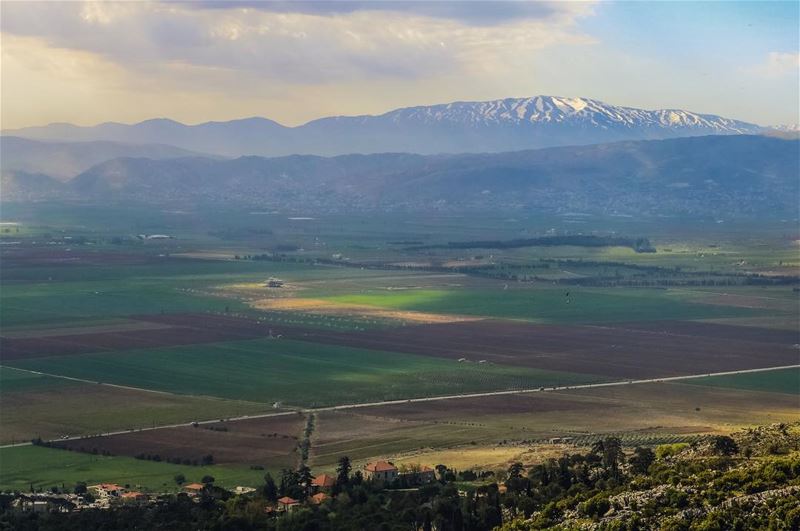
[[558, 110], [488, 126]]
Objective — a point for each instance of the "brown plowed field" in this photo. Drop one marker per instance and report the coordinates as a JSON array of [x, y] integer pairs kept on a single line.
[[473, 408], [181, 329], [669, 349], [635, 350], [269, 442], [719, 331]]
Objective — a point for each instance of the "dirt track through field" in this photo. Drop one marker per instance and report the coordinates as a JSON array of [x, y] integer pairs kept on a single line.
[[417, 400]]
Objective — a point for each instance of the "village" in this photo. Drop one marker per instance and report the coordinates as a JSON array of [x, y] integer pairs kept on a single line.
[[319, 488]]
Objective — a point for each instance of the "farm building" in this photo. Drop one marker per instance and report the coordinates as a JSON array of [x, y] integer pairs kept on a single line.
[[380, 471], [273, 282]]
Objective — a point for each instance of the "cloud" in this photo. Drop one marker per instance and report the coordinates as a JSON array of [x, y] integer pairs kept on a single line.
[[284, 60], [294, 61], [776, 65], [289, 41], [472, 12], [781, 63]]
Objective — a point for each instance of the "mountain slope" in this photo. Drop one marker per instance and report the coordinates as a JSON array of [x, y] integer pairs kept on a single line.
[[63, 160], [491, 126], [700, 176]]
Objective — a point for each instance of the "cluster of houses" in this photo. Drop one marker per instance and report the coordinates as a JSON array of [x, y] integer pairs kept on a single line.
[[101, 496], [107, 495], [378, 471]]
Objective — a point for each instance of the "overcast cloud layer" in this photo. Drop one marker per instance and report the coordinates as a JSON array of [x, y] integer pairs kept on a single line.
[[88, 62]]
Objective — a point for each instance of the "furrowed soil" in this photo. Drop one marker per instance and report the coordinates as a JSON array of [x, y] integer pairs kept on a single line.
[[269, 442]]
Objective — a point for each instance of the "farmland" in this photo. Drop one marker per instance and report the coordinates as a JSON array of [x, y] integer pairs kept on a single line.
[[781, 381], [42, 406], [549, 305], [134, 334], [639, 414], [47, 467], [270, 442], [269, 371]]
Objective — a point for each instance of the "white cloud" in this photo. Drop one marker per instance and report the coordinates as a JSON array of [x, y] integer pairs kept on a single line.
[[780, 63], [777, 65], [187, 59], [302, 47]]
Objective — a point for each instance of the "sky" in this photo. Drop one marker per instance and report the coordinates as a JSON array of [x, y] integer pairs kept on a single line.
[[291, 61]]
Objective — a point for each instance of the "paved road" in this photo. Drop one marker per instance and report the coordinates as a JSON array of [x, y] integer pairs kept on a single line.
[[393, 402]]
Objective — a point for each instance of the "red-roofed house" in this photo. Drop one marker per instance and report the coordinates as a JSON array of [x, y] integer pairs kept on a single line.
[[380, 471], [133, 497], [319, 497], [323, 481], [287, 504], [193, 489]]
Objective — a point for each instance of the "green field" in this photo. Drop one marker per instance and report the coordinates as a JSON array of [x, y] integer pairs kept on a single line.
[[294, 372], [42, 406], [15, 381], [780, 381], [50, 304], [548, 305], [26, 466]]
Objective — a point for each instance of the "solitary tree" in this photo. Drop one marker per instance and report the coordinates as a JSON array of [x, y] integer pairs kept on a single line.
[[343, 470], [610, 451], [515, 470], [642, 459], [270, 489], [305, 477], [724, 445]]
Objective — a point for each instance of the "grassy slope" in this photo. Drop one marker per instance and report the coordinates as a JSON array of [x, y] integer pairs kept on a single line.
[[294, 372]]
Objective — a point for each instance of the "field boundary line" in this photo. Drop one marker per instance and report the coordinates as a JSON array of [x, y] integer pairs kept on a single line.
[[308, 411]]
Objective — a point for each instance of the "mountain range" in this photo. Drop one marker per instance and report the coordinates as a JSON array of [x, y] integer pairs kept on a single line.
[[711, 176], [461, 127], [64, 160]]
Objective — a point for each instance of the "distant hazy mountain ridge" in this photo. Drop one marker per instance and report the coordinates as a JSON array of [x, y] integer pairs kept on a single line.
[[461, 127], [64, 160], [713, 176]]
